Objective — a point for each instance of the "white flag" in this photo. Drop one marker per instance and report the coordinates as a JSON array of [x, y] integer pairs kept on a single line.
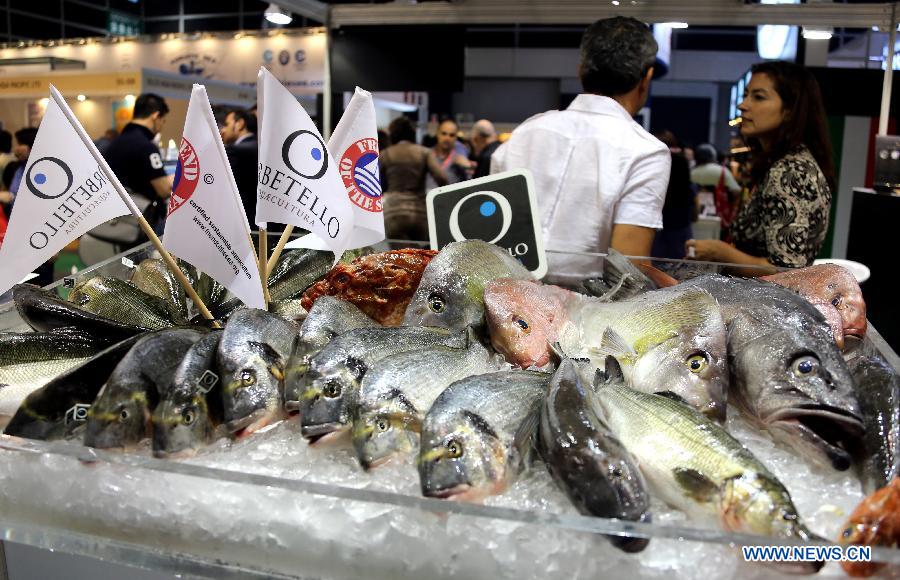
[[207, 225], [299, 182], [355, 142], [63, 194]]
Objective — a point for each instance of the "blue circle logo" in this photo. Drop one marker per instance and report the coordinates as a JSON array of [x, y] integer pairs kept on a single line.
[[40, 172], [316, 153], [488, 208]]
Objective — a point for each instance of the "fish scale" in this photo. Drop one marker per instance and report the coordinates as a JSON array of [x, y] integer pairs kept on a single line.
[[153, 277], [122, 301]]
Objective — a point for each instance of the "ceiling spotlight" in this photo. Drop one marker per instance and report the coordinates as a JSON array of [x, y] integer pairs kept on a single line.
[[81, 98], [677, 24], [278, 15], [817, 32]]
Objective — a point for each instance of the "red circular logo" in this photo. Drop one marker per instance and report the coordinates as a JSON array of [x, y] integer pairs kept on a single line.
[[359, 170], [187, 175]]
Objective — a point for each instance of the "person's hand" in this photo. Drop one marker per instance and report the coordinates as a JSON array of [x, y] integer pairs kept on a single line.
[[462, 162], [6, 196], [708, 250]]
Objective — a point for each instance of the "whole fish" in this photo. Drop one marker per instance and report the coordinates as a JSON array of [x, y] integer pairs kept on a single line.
[[121, 301], [787, 374], [153, 277], [251, 359], [671, 340], [295, 271], [44, 311], [120, 416], [58, 409], [479, 434], [29, 360], [451, 292], [190, 411], [874, 522], [328, 317], [877, 389], [328, 395], [834, 291], [525, 317], [585, 458], [381, 285], [694, 465], [395, 395]]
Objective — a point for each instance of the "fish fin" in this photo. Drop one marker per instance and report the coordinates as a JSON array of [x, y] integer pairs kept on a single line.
[[612, 344], [624, 277], [673, 396], [471, 337], [611, 372], [524, 437], [695, 484]]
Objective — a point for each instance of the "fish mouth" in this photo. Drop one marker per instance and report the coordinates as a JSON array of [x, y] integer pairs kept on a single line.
[[370, 464], [457, 492], [323, 433], [175, 455], [827, 428]]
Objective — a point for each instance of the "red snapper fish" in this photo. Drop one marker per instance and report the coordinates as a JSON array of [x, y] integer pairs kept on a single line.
[[381, 285]]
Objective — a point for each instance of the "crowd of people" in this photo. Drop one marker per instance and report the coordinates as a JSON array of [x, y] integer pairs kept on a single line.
[[602, 181]]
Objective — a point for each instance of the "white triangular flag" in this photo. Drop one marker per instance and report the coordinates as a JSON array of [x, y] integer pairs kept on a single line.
[[207, 225], [355, 145], [299, 182], [63, 194]]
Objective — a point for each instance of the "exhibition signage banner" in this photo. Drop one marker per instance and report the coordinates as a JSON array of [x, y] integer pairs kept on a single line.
[[355, 145], [206, 223], [500, 209], [299, 183], [63, 194], [296, 59]]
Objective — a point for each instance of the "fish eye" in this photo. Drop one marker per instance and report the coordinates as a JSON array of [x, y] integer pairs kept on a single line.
[[789, 517], [188, 416], [805, 365], [436, 303], [248, 377], [454, 449], [697, 362], [342, 278], [332, 389], [617, 471], [836, 301], [382, 424], [847, 533], [124, 414], [521, 323]]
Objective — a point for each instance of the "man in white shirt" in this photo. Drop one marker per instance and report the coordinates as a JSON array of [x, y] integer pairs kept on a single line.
[[600, 178]]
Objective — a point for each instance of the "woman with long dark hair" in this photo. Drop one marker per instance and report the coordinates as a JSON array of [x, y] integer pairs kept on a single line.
[[786, 219]]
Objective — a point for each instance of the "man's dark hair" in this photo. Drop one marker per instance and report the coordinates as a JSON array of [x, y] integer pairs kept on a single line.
[[247, 117], [402, 129], [616, 54], [26, 136], [147, 104], [5, 141], [706, 153]]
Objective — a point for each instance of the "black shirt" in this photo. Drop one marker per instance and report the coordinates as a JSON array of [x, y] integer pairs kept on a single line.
[[483, 159], [135, 160]]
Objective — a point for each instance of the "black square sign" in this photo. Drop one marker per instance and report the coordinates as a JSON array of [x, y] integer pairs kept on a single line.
[[500, 209]]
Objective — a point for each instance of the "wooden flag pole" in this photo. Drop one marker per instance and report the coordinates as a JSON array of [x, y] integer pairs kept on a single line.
[[285, 236], [263, 249], [120, 190]]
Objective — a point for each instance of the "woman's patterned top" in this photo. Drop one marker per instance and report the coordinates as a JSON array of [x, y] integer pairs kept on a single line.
[[786, 218]]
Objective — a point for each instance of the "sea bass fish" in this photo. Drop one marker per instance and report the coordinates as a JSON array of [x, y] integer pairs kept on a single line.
[[251, 359], [44, 311], [328, 317], [381, 285], [121, 301], [29, 360], [120, 416], [479, 433], [877, 389], [328, 395], [190, 411], [451, 292], [154, 277], [396, 394], [696, 466], [59, 409], [834, 291], [585, 458], [670, 339], [788, 376]]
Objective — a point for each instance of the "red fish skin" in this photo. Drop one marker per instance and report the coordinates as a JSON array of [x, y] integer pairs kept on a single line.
[[874, 522], [381, 285]]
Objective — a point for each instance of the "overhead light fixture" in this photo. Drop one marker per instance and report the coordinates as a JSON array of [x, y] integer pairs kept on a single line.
[[677, 24], [278, 15], [817, 32], [615, 2], [81, 98]]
